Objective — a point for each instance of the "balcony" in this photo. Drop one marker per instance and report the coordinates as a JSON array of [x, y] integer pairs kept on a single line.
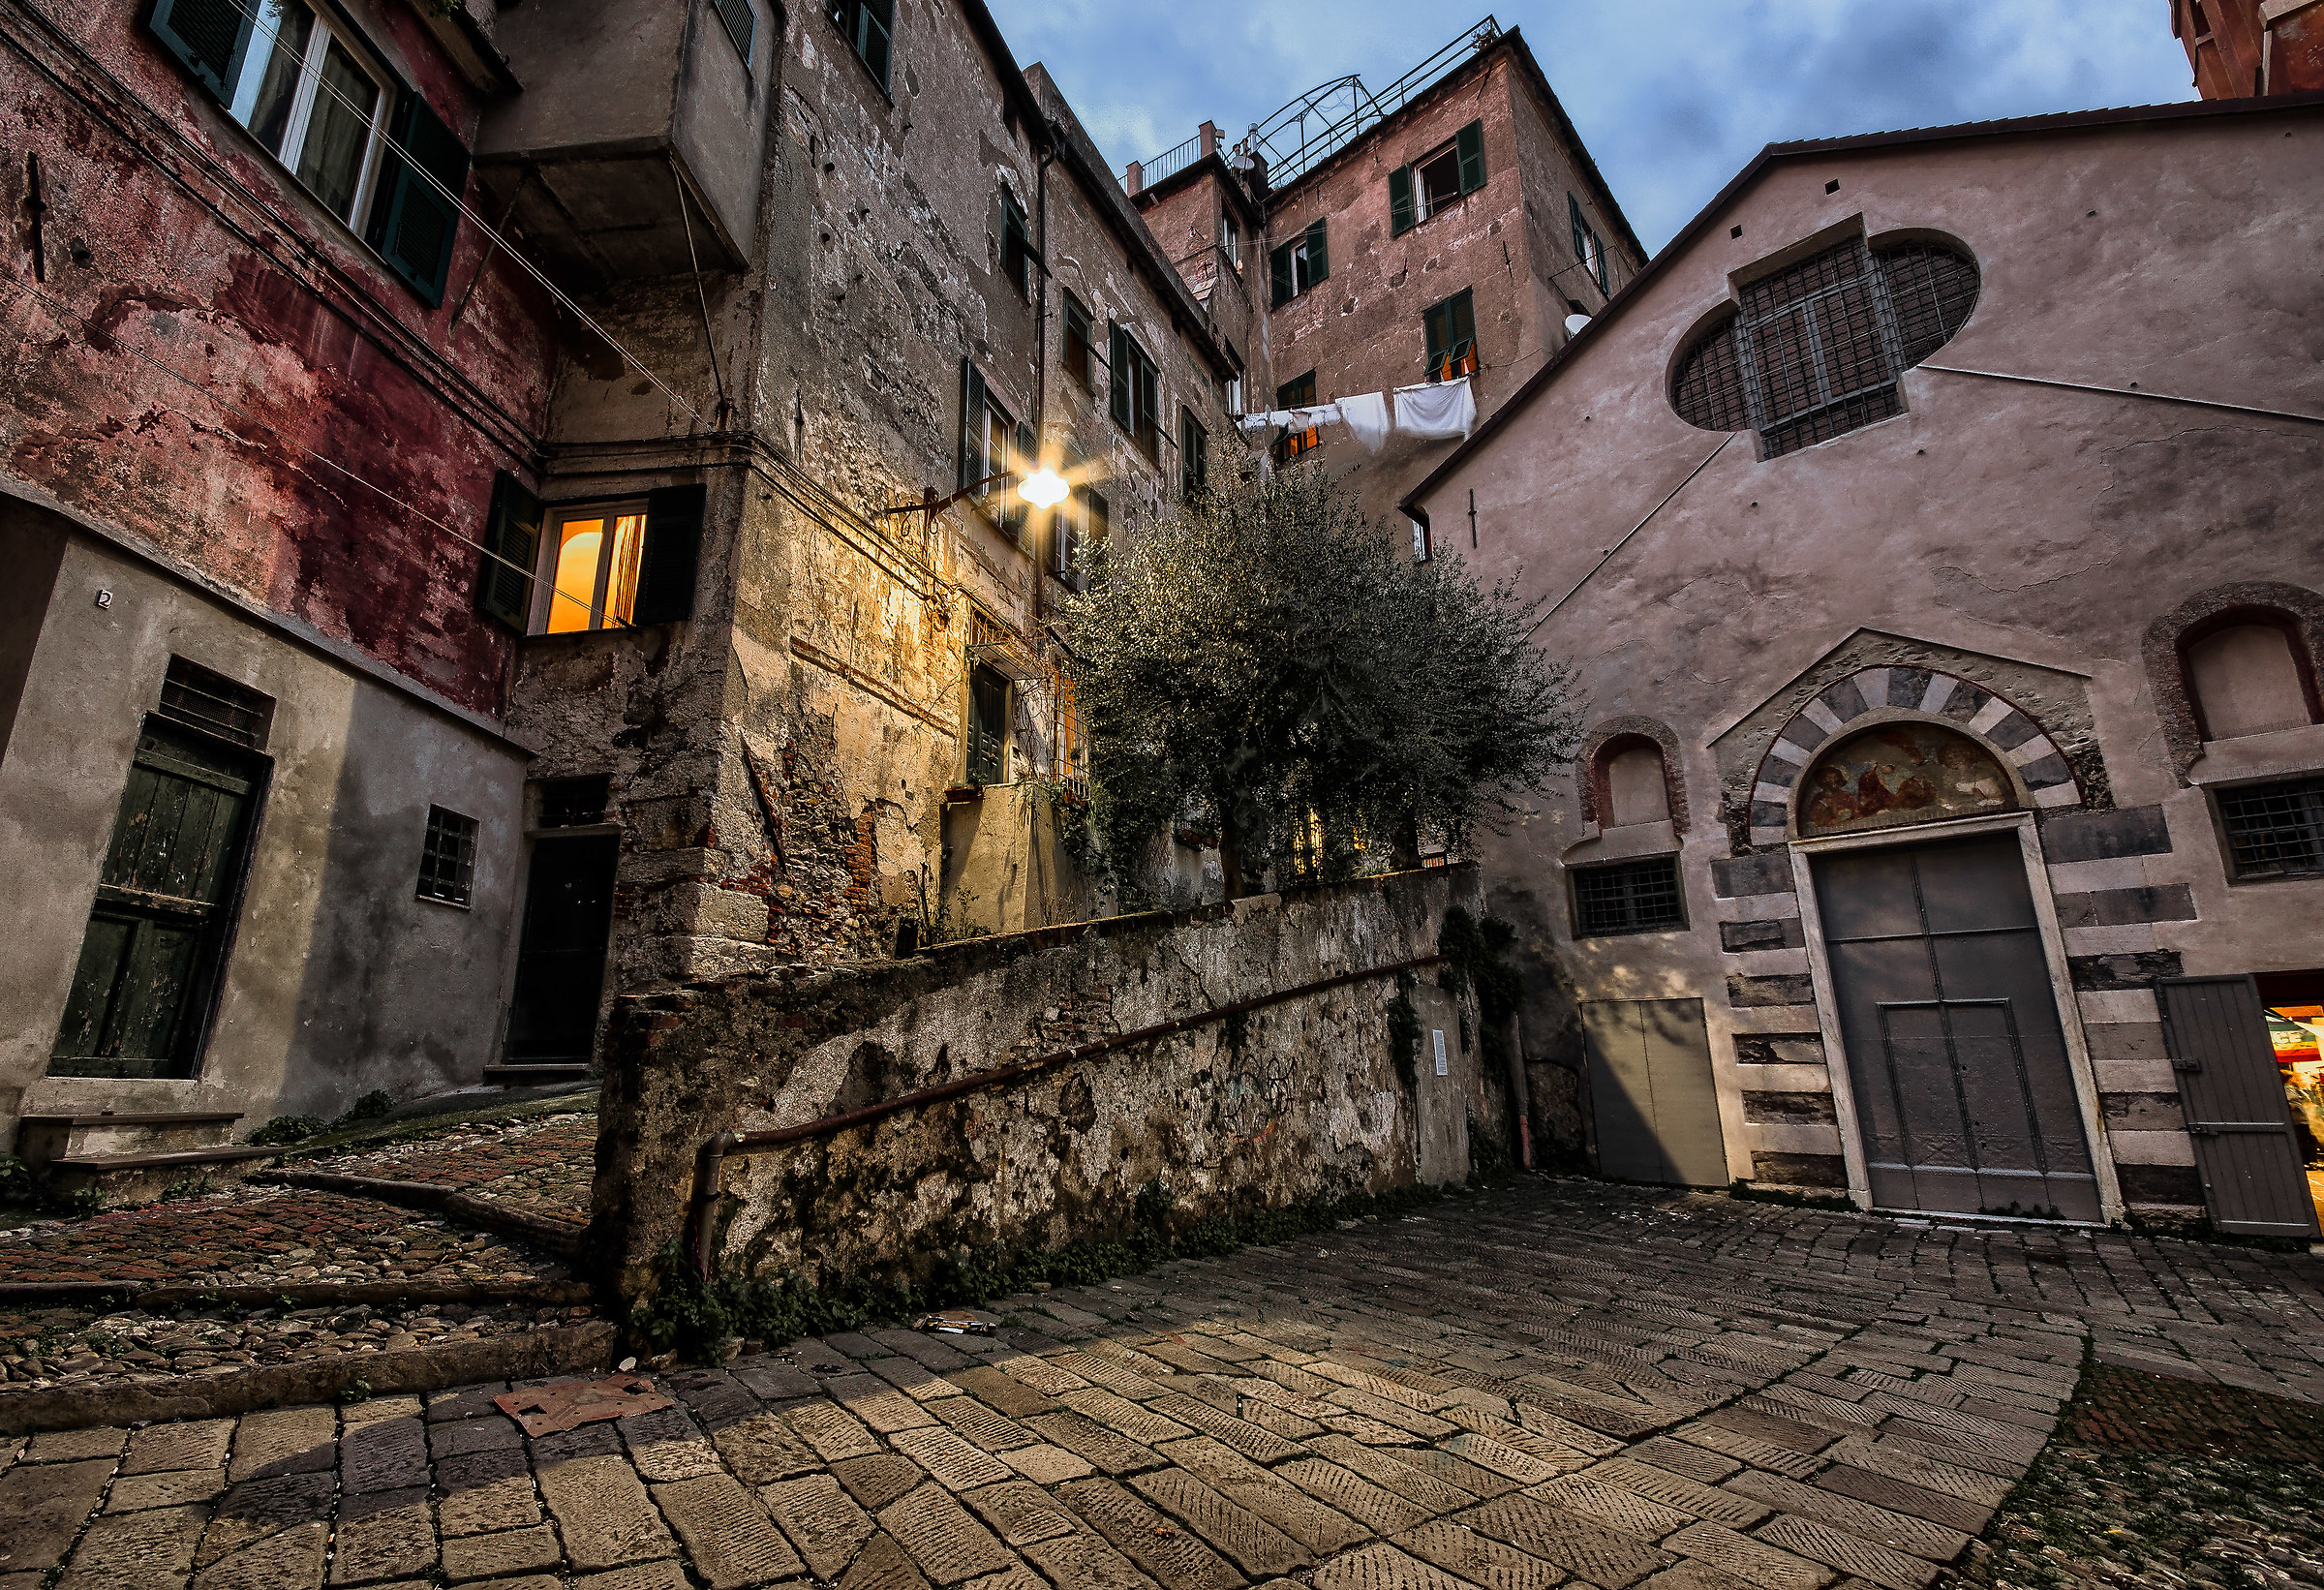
[[624, 103]]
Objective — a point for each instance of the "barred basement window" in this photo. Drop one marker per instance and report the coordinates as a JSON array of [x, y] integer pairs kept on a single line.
[[216, 705], [2275, 830], [1817, 348], [447, 857], [1627, 897]]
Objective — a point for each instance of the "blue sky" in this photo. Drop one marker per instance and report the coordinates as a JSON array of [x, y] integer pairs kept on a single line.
[[1672, 96]]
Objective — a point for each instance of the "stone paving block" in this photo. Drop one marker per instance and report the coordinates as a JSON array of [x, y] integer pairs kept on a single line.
[[459, 1437], [383, 1454], [1269, 1495], [1378, 1509], [1479, 1558], [1259, 1445], [385, 1407], [876, 1482], [1829, 1412], [1383, 1567], [1242, 1536], [492, 1556], [1140, 1422], [1895, 1530], [955, 1463], [46, 1506], [1367, 1430], [135, 1549], [258, 1508], [1430, 1495], [1488, 1454], [1666, 1451], [1625, 1510], [1605, 1557], [66, 1445], [1695, 1573], [290, 1560], [1016, 1578], [1047, 1465], [1081, 1561], [883, 1565], [948, 1546], [1752, 1561], [668, 1445], [1172, 1556], [729, 1540], [763, 1448], [914, 1379], [1850, 1553], [1021, 1514], [1110, 1451], [834, 1433], [970, 1419], [603, 1512], [1451, 1470], [384, 1535], [1542, 1433], [651, 1575], [772, 1378], [176, 1488], [283, 1441], [597, 1440], [884, 1409], [2016, 1451], [1947, 1454], [1006, 1393], [822, 1520], [1099, 1363], [1903, 1496], [715, 1397], [202, 1444], [1789, 1434], [1280, 1420], [1677, 1490], [485, 1491], [1883, 1456]]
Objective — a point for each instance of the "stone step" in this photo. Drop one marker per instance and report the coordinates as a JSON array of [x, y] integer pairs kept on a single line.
[[44, 1139]]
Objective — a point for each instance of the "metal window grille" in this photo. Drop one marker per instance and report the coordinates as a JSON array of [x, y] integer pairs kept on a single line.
[[741, 24], [574, 802], [216, 705], [447, 857], [1630, 896], [1709, 391], [2275, 830], [1934, 291]]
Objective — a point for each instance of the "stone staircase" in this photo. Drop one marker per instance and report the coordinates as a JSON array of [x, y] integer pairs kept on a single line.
[[134, 1156]]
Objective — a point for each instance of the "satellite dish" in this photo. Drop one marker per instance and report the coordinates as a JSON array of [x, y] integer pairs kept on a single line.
[[1574, 323]]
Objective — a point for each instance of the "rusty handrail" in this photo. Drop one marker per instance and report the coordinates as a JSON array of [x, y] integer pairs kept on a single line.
[[711, 1158]]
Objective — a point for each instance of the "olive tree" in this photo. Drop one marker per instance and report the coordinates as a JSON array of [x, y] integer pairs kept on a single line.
[[1264, 661]]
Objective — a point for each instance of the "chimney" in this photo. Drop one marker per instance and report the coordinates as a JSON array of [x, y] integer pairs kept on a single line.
[[1134, 178], [1209, 133]]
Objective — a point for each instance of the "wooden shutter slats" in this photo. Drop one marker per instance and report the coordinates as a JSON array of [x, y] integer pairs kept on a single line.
[[210, 38], [665, 584], [1399, 201], [1470, 144]]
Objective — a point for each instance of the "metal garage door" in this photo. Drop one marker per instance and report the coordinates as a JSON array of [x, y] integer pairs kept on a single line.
[[1650, 1090], [1963, 1091]]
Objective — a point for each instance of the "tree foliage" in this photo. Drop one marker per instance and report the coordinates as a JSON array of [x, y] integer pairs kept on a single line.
[[1266, 662]]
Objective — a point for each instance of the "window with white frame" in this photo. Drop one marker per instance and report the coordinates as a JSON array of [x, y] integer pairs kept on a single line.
[[310, 97]]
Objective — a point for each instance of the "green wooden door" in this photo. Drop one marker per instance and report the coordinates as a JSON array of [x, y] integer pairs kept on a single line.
[[156, 937]]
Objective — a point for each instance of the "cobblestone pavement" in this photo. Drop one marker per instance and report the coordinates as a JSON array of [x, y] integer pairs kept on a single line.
[[544, 1164], [250, 1237], [2159, 1481], [1559, 1383]]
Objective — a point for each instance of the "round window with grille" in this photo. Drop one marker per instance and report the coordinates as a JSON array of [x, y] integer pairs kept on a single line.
[[1815, 349]]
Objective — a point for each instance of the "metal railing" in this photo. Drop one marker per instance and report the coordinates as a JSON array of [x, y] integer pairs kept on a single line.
[[1326, 119], [1170, 161]]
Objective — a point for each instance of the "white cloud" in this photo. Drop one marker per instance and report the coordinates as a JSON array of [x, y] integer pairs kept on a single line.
[[1672, 102]]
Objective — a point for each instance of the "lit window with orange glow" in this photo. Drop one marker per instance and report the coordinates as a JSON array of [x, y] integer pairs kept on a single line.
[[593, 555]]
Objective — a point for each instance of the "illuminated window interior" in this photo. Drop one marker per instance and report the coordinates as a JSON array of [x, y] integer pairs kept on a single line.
[[596, 553]]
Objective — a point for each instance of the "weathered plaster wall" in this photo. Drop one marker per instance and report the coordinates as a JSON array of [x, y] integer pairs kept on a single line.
[[306, 367], [2025, 538], [1304, 1100], [340, 980]]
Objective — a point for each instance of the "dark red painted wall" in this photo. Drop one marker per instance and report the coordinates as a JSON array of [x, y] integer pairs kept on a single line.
[[315, 352]]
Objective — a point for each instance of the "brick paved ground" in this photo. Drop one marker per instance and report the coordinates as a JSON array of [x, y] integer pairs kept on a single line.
[[1563, 1382], [543, 1164]]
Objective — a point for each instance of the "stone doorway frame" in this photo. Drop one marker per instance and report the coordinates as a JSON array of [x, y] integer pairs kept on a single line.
[[2053, 945]]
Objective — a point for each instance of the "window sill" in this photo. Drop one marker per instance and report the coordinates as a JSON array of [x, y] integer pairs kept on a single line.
[[449, 904], [1632, 933], [2239, 883], [576, 831]]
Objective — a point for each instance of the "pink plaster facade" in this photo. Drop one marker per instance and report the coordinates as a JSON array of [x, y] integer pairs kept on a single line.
[[2047, 543]]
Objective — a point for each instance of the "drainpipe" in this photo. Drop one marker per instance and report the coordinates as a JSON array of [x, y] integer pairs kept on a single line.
[[708, 1166], [1042, 540]]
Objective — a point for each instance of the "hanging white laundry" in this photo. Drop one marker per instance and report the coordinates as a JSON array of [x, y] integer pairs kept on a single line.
[[1438, 410], [1366, 415], [1261, 421]]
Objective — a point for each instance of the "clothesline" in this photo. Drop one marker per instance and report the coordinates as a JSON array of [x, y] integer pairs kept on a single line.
[[1431, 410]]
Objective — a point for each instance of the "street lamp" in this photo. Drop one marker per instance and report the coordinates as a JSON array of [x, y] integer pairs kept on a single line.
[[1045, 488]]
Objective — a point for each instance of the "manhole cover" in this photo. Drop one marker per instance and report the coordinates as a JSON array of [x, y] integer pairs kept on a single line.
[[571, 1403]]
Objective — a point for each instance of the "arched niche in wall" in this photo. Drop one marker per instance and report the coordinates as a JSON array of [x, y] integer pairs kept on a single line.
[[1899, 774], [1636, 787], [1627, 773], [2248, 673]]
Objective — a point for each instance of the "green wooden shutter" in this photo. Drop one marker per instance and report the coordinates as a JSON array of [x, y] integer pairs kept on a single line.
[[208, 37], [973, 425], [1472, 157], [1581, 229], [665, 584], [1278, 271], [1122, 399], [1319, 264], [1462, 312], [1018, 512], [1399, 201], [512, 548], [414, 222]]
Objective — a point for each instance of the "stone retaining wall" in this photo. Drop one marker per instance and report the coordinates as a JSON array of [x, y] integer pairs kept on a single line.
[[1289, 1103]]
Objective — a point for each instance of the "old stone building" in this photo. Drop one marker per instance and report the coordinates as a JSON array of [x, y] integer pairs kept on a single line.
[[2244, 48], [1947, 586], [1447, 225], [522, 503]]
